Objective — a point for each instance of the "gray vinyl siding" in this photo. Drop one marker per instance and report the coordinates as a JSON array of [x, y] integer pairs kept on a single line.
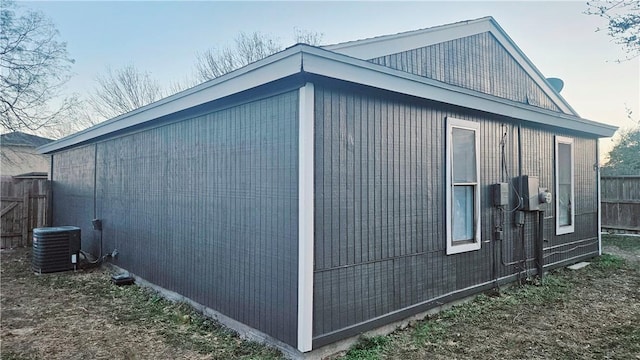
[[584, 240], [380, 241], [205, 207], [477, 62], [73, 190]]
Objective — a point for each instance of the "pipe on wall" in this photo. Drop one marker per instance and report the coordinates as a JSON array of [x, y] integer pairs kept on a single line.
[[523, 242], [540, 245]]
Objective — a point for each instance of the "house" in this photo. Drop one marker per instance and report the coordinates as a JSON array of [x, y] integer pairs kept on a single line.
[[18, 154], [323, 192]]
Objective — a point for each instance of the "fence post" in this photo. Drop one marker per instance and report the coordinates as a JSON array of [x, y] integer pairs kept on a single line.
[[25, 215], [49, 202]]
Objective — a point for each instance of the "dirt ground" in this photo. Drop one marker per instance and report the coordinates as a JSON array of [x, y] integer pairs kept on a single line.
[[593, 313], [81, 315]]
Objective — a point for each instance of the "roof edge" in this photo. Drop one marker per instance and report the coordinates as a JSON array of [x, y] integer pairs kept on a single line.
[[277, 66], [367, 73], [371, 48], [313, 60]]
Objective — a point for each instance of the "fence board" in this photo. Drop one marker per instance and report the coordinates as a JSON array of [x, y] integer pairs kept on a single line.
[[25, 206], [8, 208], [621, 203]]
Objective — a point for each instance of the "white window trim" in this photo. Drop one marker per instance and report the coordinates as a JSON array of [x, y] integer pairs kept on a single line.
[[476, 244], [565, 229]]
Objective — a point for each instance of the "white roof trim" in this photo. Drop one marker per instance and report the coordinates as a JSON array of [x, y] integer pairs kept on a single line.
[[272, 68], [366, 73], [304, 58], [392, 44]]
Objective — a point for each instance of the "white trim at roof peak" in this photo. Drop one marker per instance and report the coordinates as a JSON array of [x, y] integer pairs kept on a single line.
[[391, 44]]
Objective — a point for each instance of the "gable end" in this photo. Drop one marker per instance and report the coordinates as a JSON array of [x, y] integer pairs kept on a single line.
[[382, 46], [477, 62]]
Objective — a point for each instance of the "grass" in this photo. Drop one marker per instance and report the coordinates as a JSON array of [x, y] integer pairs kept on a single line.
[[180, 324], [546, 306], [628, 243], [368, 348], [442, 327], [181, 329], [608, 262], [493, 321]]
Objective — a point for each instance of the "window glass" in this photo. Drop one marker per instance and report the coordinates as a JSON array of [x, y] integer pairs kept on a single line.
[[462, 217], [564, 184], [464, 155]]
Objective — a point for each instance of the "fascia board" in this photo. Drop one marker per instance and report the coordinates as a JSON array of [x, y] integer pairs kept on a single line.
[[332, 65], [392, 44], [272, 68]]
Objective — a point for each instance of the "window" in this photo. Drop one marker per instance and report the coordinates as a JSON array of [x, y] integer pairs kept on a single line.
[[463, 190], [565, 204]]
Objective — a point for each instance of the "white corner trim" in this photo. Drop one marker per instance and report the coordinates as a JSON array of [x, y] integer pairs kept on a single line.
[[305, 217], [599, 197]]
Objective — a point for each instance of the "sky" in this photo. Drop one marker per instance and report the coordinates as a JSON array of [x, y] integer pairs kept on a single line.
[[163, 38]]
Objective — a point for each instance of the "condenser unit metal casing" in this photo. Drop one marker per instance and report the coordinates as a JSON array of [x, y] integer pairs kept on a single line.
[[55, 249]]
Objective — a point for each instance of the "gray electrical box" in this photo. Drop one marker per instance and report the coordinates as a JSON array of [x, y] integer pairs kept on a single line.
[[532, 195], [529, 186], [500, 194]]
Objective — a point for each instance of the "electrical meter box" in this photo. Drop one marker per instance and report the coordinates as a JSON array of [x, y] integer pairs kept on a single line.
[[529, 194], [532, 194], [500, 194]]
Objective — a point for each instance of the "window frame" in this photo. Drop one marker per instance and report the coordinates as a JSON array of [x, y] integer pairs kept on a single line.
[[564, 229], [476, 243]]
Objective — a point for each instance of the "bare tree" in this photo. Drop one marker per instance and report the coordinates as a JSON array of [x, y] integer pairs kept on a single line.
[[302, 36], [623, 22], [248, 48], [123, 90], [34, 66], [186, 82], [126, 89]]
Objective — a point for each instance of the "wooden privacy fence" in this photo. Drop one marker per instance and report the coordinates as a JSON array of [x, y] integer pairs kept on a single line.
[[25, 206], [620, 196]]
